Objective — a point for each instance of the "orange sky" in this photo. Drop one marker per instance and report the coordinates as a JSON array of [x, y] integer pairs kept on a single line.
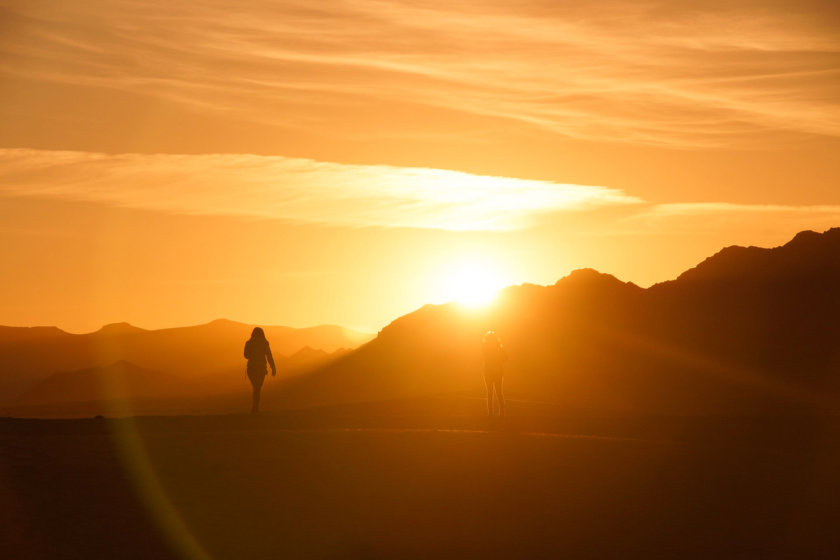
[[168, 163]]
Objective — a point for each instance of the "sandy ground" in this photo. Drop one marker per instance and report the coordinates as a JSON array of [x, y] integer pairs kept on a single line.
[[422, 479]]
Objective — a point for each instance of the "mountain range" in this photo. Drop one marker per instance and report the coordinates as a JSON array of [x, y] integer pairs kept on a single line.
[[120, 359], [748, 329]]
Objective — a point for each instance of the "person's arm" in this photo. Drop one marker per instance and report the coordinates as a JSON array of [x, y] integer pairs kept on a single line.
[[270, 359]]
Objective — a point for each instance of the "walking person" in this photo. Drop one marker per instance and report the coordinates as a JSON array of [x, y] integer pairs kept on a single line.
[[257, 351], [494, 359]]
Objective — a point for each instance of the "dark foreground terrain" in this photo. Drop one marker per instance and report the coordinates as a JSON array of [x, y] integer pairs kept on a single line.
[[421, 479]]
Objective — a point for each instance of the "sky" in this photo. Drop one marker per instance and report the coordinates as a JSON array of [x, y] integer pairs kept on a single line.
[[345, 162]]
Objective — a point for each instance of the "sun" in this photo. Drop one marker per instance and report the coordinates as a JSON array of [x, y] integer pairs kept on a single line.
[[471, 284]]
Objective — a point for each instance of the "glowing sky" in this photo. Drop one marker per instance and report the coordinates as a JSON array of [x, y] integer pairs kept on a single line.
[[302, 162]]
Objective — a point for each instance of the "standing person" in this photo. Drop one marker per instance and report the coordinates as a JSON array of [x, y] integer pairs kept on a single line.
[[257, 351], [494, 358]]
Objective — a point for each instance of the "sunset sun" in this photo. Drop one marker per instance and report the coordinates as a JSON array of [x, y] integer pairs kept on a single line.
[[471, 284]]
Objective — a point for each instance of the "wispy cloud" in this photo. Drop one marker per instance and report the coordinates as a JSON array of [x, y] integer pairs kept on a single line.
[[706, 217], [333, 194], [297, 190], [657, 72]]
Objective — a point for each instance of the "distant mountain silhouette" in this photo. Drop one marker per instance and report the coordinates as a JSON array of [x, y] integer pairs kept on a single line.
[[18, 334], [120, 329], [210, 355], [116, 381], [307, 355], [747, 329]]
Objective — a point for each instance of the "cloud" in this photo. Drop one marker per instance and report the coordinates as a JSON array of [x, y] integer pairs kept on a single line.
[[314, 192], [660, 73], [716, 217], [296, 190]]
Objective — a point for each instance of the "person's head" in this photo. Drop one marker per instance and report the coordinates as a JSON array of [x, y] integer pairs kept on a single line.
[[257, 333], [491, 338]]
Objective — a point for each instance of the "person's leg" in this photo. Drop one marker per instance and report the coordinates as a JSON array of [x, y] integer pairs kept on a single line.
[[497, 384], [257, 382], [488, 383], [255, 400]]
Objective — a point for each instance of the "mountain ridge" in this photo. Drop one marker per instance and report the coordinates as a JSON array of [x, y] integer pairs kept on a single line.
[[741, 258], [28, 355], [748, 329], [120, 380]]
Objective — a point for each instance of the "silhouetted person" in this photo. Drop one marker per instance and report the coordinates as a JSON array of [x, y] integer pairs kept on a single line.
[[494, 359], [257, 351]]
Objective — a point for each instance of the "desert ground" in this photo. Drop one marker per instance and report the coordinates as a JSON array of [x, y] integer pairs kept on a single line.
[[421, 478]]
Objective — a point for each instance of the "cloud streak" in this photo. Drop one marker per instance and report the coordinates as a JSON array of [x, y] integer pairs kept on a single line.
[[703, 217], [295, 190], [650, 73], [304, 191]]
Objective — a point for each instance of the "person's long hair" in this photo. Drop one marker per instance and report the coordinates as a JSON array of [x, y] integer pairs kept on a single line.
[[492, 338], [258, 333]]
